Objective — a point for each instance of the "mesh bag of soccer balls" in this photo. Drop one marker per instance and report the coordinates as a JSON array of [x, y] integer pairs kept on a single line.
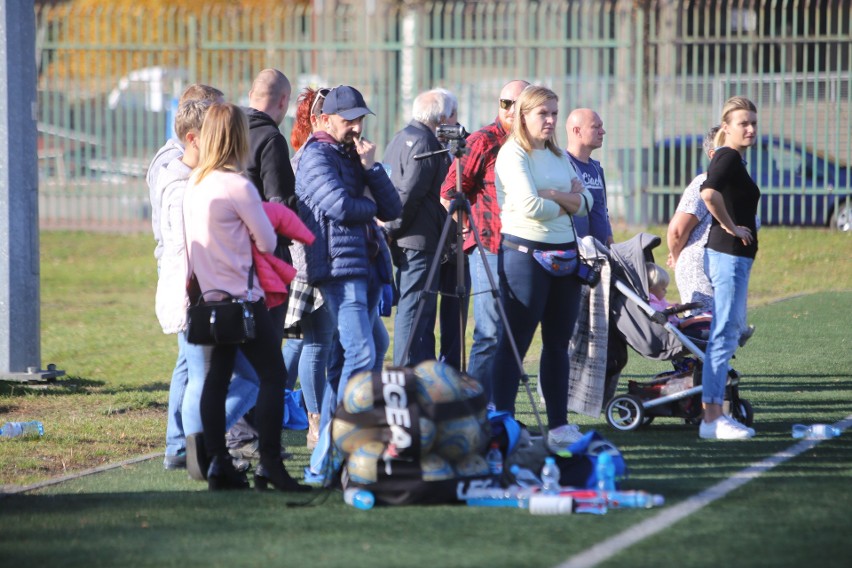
[[413, 435]]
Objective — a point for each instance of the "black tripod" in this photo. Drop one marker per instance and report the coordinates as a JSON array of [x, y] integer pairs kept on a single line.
[[460, 204]]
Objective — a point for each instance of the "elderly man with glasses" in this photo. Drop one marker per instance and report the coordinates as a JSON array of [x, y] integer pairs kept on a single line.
[[477, 184]]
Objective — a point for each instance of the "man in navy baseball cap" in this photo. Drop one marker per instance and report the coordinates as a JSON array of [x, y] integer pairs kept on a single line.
[[346, 102], [343, 113]]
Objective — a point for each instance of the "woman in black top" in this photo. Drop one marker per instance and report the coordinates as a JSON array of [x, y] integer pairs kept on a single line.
[[731, 197]]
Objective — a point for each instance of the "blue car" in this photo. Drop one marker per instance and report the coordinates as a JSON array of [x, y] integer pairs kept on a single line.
[[798, 186]]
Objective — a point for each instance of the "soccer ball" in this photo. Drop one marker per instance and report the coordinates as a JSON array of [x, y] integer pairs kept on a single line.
[[358, 395], [362, 464], [349, 437], [471, 466], [437, 382], [460, 437], [435, 468], [470, 387]]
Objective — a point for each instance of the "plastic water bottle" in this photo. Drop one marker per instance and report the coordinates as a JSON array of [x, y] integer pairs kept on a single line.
[[551, 505], [605, 473], [550, 477], [815, 431], [494, 459], [591, 505], [31, 429], [362, 499], [524, 477], [513, 496], [634, 500]]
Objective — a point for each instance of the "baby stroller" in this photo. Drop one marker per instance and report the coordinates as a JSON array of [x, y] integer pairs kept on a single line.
[[675, 393]]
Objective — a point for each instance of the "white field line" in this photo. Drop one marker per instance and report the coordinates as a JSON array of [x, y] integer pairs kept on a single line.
[[608, 548], [13, 489]]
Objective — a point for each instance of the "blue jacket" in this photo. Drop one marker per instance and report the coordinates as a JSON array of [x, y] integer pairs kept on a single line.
[[330, 185]]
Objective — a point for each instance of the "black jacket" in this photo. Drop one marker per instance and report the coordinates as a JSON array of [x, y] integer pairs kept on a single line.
[[418, 183], [269, 160]]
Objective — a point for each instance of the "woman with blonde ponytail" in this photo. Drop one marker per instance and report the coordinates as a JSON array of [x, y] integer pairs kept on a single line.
[[223, 216], [732, 198]]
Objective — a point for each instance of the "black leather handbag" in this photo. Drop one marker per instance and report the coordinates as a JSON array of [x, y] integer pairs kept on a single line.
[[227, 321]]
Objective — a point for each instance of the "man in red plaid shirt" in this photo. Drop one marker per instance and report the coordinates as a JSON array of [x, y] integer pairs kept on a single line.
[[478, 186]]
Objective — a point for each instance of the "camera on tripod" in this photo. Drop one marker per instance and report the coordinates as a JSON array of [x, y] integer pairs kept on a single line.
[[451, 132]]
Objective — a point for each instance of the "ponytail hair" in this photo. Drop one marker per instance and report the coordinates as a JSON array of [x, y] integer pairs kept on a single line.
[[302, 127], [224, 141], [732, 105]]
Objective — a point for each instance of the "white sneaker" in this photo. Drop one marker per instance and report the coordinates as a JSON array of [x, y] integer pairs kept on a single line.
[[563, 436], [724, 428]]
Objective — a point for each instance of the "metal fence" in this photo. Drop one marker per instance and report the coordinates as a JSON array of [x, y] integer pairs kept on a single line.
[[656, 71]]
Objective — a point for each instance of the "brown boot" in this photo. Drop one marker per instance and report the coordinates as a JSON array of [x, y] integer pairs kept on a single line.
[[313, 430]]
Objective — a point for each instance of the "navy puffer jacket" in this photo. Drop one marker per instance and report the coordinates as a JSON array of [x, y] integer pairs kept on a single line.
[[330, 185]]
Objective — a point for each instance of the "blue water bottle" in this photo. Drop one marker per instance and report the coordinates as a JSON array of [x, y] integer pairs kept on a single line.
[[359, 498], [605, 473], [494, 459], [31, 429]]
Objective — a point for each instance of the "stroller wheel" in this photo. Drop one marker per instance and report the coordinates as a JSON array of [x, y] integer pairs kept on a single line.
[[625, 412], [743, 412]]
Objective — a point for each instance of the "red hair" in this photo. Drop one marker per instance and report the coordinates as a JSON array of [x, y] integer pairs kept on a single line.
[[302, 127]]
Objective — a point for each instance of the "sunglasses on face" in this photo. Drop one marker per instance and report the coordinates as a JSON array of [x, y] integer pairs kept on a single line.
[[320, 96], [506, 104]]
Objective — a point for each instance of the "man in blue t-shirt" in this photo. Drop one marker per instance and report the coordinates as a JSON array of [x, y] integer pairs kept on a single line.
[[585, 134]]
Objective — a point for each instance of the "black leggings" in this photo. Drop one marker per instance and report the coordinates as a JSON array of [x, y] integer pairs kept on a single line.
[[264, 354]]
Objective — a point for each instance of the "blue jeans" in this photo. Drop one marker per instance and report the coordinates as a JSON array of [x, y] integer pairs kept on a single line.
[[411, 281], [175, 437], [354, 307], [292, 352], [486, 319], [381, 340], [242, 391], [531, 297], [729, 277], [308, 357]]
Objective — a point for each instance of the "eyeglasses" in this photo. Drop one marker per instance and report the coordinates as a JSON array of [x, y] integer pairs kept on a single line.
[[506, 104], [320, 96]]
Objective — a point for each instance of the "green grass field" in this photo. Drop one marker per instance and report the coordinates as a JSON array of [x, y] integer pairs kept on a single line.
[[98, 324]]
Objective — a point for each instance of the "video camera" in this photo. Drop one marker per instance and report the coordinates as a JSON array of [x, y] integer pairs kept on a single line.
[[451, 132]]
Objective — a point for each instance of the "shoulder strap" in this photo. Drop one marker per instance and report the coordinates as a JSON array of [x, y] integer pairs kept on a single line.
[[250, 282]]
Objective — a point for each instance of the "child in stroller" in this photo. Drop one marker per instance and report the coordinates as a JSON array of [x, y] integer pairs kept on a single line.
[[697, 324], [648, 331]]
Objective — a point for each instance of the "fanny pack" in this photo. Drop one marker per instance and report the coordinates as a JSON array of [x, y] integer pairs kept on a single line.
[[555, 262]]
